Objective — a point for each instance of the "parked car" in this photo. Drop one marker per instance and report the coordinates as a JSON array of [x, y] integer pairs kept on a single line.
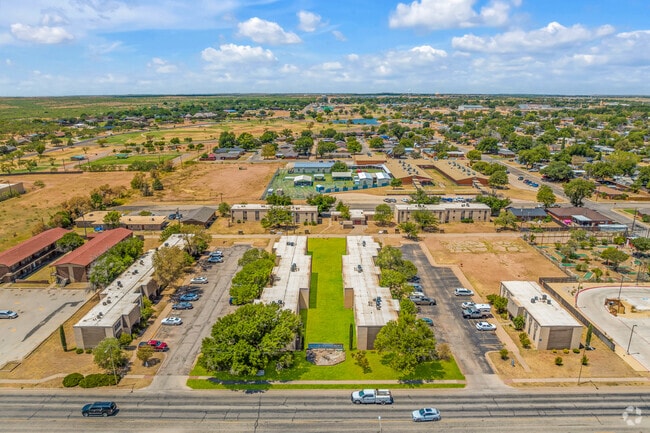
[[473, 313], [462, 291], [182, 306], [8, 314], [406, 200], [414, 279], [520, 178], [158, 345], [426, 414], [486, 326], [214, 259], [468, 304], [427, 320], [423, 300], [372, 396], [199, 280], [99, 408], [189, 297], [173, 321]]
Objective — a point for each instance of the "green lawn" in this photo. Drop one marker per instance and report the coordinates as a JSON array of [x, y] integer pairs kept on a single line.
[[327, 320]]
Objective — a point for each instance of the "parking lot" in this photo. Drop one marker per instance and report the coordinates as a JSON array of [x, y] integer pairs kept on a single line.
[[40, 312], [185, 340], [468, 345]]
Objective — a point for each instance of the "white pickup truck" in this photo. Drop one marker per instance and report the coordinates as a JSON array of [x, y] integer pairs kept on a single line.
[[372, 396]]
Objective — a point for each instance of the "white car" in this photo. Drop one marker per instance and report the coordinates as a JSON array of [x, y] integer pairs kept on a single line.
[[486, 326], [468, 304], [199, 280], [174, 321], [426, 414], [462, 291]]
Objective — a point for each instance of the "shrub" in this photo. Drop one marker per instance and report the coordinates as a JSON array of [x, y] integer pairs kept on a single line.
[[443, 351], [585, 360], [125, 339], [79, 351], [566, 351], [524, 340], [519, 322], [504, 353], [89, 351], [72, 379], [576, 350], [554, 351], [98, 379], [558, 360]]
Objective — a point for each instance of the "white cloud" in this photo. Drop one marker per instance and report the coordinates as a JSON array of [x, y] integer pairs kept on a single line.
[[266, 32], [552, 36], [339, 36], [231, 54], [331, 66], [448, 14], [162, 66], [289, 69], [40, 35], [309, 21], [9, 62]]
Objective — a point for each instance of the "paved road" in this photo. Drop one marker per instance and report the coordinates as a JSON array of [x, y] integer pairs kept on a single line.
[[591, 303], [468, 344], [322, 411]]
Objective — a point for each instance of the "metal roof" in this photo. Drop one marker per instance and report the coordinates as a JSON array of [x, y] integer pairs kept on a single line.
[[26, 249]]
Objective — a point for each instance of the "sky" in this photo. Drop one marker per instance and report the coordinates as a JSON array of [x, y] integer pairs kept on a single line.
[[118, 47]]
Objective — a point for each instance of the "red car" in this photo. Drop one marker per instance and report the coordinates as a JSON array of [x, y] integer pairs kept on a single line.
[[158, 346]]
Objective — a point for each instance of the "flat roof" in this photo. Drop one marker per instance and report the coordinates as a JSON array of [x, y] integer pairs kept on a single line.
[[544, 313], [361, 250], [287, 279], [261, 206], [442, 206], [117, 298]]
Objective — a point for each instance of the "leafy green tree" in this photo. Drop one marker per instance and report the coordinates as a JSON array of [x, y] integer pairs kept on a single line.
[[395, 182], [109, 355], [106, 269], [344, 209], [405, 343], [496, 204], [303, 145], [254, 255], [224, 209], [227, 140], [614, 256], [168, 264], [324, 202], [247, 141], [340, 166], [69, 241], [268, 137], [325, 147], [410, 229], [474, 155], [353, 145], [376, 143], [157, 184], [112, 219], [641, 244], [252, 338], [197, 239], [144, 354], [505, 220], [579, 189], [383, 214], [277, 216], [421, 197], [546, 196], [278, 200], [519, 322], [138, 181], [268, 151], [557, 171], [488, 145], [392, 279], [425, 219], [498, 179]]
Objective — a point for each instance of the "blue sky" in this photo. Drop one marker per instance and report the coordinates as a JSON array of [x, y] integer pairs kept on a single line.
[[92, 47]]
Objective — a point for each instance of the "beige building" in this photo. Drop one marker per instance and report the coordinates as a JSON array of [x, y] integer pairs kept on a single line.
[[445, 213], [255, 212], [548, 325]]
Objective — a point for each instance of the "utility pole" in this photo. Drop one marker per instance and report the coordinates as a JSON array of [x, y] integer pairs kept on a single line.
[[630, 341]]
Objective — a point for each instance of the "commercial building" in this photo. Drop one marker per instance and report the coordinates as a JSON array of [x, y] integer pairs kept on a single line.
[[548, 325], [373, 305], [445, 212], [118, 309], [255, 212]]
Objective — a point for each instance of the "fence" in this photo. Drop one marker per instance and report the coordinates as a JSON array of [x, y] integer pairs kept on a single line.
[[543, 281]]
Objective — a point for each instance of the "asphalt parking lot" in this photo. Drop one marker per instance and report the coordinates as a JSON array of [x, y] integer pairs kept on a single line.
[[468, 345], [185, 340], [40, 312]]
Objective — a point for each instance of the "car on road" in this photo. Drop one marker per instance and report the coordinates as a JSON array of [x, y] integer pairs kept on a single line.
[[427, 320], [462, 291], [215, 259], [199, 280], [182, 306], [189, 297], [406, 200], [173, 321], [485, 326], [520, 178], [158, 345], [8, 314], [468, 304], [99, 408], [426, 414]]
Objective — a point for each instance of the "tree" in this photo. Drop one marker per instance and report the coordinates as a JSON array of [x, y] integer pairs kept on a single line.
[[277, 216], [411, 229], [224, 209], [614, 256], [340, 166], [109, 355], [506, 219], [278, 200], [392, 279], [227, 139], [383, 214], [112, 219], [353, 145], [69, 241], [376, 143], [344, 209], [138, 181], [557, 171], [144, 354], [252, 338], [325, 147], [425, 219], [474, 155], [303, 145], [546, 196], [407, 342], [168, 264], [488, 145], [247, 141], [519, 322], [268, 151], [395, 182], [579, 189], [197, 239], [641, 244], [498, 179], [323, 202]]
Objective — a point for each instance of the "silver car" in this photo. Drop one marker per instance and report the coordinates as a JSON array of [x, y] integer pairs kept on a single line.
[[426, 414], [8, 314]]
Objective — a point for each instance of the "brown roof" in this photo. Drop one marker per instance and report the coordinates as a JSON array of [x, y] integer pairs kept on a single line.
[[567, 212], [31, 246], [90, 251]]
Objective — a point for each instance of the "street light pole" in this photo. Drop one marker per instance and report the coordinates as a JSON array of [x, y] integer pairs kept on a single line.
[[618, 307], [630, 341], [577, 294]]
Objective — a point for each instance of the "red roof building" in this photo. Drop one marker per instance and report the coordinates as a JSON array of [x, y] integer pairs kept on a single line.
[[75, 266], [28, 256]]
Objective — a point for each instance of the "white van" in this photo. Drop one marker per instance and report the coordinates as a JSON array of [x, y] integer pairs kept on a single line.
[[483, 308]]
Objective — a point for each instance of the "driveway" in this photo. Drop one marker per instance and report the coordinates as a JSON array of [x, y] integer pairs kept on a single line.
[[468, 345], [625, 331], [185, 340]]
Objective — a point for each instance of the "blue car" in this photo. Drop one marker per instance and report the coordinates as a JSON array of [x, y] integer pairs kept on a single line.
[[187, 297], [182, 306]]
